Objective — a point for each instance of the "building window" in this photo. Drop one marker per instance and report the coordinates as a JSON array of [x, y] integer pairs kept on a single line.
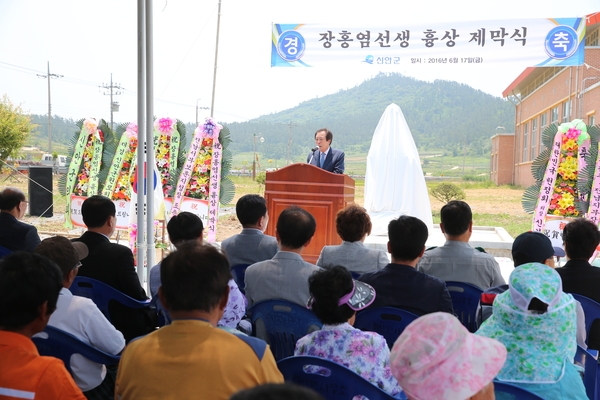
[[566, 111], [592, 120], [525, 142], [534, 139], [543, 121], [554, 115], [592, 38]]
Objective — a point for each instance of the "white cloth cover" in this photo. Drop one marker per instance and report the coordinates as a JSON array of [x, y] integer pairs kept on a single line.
[[394, 182]]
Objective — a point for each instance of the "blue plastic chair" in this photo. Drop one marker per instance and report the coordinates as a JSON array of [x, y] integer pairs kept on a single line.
[[102, 294], [281, 323], [591, 309], [465, 298], [4, 252], [590, 375], [239, 274], [389, 322], [62, 345], [505, 391], [332, 380], [355, 275]]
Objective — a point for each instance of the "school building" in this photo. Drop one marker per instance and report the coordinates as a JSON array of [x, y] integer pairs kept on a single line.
[[543, 96]]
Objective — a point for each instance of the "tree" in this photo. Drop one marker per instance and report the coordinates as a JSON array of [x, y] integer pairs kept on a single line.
[[446, 192], [14, 128]]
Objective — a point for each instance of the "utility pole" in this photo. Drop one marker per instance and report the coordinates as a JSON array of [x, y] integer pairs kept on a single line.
[[212, 101], [48, 76], [114, 106]]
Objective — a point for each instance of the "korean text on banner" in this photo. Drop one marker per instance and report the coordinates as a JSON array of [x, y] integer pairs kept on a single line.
[[533, 42]]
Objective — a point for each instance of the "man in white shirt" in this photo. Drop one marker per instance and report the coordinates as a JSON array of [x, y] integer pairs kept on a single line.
[[81, 318]]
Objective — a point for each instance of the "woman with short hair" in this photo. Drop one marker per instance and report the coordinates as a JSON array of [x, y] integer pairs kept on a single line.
[[353, 224]]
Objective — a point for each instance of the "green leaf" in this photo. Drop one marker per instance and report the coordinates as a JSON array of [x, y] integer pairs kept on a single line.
[[548, 135], [227, 191], [539, 165], [530, 198]]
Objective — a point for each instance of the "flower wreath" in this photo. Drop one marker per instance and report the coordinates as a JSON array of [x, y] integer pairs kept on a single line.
[[166, 145], [118, 185], [84, 167], [204, 174], [564, 173]]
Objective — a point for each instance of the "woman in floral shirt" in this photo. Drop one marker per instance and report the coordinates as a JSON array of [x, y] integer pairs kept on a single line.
[[335, 298]]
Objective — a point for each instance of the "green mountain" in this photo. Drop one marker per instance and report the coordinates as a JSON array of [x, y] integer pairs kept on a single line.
[[63, 130], [442, 115]]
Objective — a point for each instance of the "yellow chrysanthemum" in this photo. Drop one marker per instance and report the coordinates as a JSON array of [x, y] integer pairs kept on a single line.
[[568, 168], [569, 145], [566, 201]]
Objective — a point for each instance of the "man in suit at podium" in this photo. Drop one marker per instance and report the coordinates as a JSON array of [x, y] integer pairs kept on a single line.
[[323, 156]]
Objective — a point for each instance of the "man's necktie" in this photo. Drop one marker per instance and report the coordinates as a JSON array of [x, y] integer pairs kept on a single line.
[[322, 160]]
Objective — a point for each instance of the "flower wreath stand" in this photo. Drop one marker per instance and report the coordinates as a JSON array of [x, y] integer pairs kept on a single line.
[[564, 174], [81, 180], [203, 182]]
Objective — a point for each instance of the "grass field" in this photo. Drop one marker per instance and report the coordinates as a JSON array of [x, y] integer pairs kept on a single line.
[[491, 205]]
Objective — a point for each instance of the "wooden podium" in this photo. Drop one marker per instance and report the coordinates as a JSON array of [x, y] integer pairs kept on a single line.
[[319, 192]]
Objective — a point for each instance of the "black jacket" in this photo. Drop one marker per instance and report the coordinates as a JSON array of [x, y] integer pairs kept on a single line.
[[402, 286]]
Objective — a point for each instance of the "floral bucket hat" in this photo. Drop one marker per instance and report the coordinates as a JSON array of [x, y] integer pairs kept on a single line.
[[437, 358], [538, 344]]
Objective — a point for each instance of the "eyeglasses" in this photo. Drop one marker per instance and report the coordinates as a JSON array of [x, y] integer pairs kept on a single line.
[[77, 265]]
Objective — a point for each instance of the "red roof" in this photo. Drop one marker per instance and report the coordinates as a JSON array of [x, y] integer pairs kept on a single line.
[[517, 81]]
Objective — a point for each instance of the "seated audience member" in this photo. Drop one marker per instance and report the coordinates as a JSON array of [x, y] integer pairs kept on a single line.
[[536, 322], [286, 275], [353, 225], [580, 238], [277, 391], [335, 299], [80, 317], [531, 247], [14, 234], [182, 228], [456, 260], [251, 245], [437, 358], [191, 358], [30, 285], [399, 284], [112, 264]]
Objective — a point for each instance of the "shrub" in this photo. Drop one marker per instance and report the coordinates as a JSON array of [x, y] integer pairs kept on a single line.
[[446, 192], [261, 178]]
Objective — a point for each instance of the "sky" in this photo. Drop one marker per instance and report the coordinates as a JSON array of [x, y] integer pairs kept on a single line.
[[87, 40]]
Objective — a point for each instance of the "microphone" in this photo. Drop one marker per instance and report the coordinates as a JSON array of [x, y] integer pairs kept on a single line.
[[313, 153]]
